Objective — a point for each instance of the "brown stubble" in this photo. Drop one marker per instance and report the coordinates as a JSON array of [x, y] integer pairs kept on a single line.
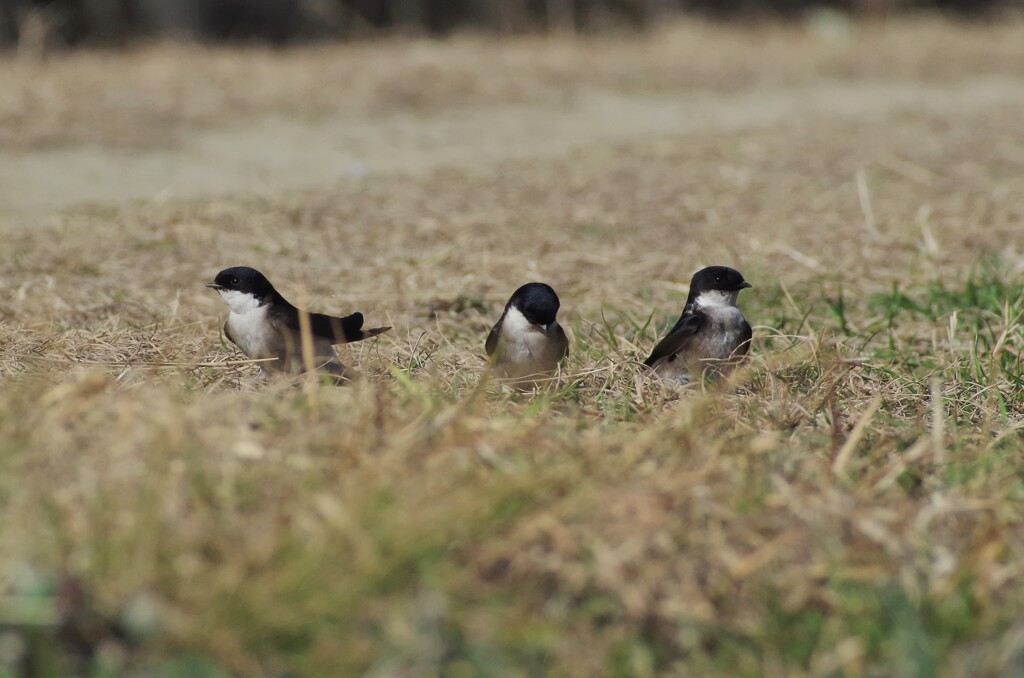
[[279, 529]]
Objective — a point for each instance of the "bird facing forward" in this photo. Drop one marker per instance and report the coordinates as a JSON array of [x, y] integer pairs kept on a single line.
[[527, 343]]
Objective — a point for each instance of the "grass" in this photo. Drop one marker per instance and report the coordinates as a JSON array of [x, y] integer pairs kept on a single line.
[[850, 504], [421, 525], [149, 97]]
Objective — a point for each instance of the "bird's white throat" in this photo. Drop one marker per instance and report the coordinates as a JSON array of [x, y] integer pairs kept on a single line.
[[517, 325], [709, 298], [239, 302]]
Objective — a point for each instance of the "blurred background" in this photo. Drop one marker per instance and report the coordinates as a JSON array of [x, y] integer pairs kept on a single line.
[[66, 23]]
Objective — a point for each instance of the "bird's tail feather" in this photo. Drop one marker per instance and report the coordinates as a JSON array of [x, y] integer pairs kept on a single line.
[[345, 330], [373, 332]]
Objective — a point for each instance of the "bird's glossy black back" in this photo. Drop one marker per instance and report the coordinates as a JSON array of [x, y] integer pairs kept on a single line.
[[537, 302], [246, 280]]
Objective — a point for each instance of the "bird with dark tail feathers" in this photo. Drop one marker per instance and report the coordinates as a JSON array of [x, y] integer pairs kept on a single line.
[[263, 324]]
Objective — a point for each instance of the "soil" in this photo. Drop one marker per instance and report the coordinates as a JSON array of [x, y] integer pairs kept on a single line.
[[277, 153]]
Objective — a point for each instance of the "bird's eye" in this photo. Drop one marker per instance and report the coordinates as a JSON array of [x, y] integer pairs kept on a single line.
[[235, 282]]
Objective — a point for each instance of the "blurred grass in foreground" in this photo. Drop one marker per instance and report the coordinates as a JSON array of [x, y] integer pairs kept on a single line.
[[824, 515]]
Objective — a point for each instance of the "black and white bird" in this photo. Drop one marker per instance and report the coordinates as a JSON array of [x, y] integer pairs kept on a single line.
[[527, 343], [263, 324], [711, 336]]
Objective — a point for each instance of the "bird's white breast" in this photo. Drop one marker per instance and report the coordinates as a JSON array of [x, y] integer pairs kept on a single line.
[[248, 324], [727, 323], [522, 338], [525, 348]]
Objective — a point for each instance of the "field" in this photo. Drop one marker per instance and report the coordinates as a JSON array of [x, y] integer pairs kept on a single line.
[[850, 504]]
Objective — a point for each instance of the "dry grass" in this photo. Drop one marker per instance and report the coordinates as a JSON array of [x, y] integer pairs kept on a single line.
[[849, 506], [154, 94]]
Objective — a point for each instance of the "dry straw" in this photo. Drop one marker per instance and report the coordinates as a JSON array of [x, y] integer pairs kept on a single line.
[[847, 504]]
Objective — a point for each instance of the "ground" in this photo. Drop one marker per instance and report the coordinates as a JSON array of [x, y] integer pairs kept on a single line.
[[849, 504]]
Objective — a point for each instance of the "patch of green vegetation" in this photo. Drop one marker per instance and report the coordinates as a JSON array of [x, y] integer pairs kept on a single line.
[[909, 634], [794, 634], [980, 323], [987, 289]]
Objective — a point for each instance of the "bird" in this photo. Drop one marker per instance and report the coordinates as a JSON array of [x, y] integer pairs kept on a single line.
[[526, 345], [711, 336], [263, 324]]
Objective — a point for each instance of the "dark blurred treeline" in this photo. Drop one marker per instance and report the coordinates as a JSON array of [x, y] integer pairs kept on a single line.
[[71, 22]]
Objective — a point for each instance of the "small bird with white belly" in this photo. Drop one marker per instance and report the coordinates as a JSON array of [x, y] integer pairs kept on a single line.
[[263, 324], [527, 343], [711, 336]]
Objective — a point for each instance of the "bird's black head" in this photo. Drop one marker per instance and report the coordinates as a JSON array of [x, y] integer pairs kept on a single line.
[[537, 302], [717, 278], [244, 280]]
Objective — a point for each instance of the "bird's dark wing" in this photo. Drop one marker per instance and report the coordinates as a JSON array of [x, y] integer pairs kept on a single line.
[[336, 330], [562, 341], [227, 333], [493, 336], [687, 326], [745, 340]]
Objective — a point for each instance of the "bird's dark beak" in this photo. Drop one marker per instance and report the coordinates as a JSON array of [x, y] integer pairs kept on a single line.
[[745, 285], [215, 286]]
